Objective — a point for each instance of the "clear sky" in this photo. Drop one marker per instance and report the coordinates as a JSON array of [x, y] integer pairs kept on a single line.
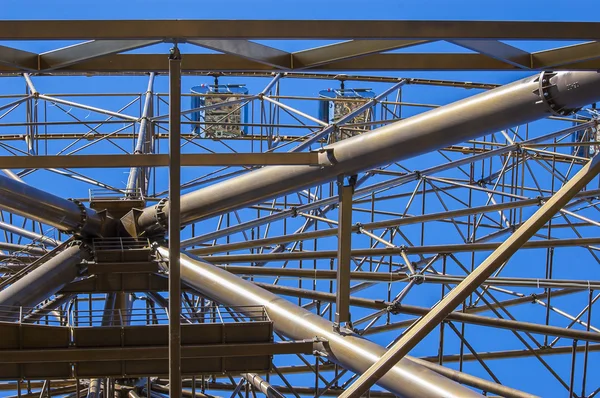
[[538, 10]]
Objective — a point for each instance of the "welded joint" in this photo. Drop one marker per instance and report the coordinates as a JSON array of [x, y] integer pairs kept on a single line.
[[174, 52], [343, 330], [393, 308], [359, 228], [403, 250], [30, 85], [352, 179], [417, 278], [518, 148]]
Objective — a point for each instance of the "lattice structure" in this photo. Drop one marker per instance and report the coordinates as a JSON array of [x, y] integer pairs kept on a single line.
[[305, 255]]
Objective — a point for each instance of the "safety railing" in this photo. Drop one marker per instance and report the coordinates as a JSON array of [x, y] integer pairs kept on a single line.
[[120, 244], [39, 315], [107, 194], [154, 315], [158, 315]]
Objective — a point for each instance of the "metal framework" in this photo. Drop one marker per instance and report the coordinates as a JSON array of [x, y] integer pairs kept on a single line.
[[463, 233]]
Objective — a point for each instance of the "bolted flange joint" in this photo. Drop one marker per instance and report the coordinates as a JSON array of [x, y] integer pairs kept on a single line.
[[84, 217]]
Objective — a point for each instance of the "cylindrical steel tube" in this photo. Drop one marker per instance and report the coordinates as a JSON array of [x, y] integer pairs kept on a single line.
[[29, 234], [65, 215], [349, 350], [522, 101], [262, 385], [142, 140], [42, 282]]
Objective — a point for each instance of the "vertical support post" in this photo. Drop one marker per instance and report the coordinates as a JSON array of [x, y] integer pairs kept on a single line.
[[174, 223], [573, 365], [342, 300], [502, 254]]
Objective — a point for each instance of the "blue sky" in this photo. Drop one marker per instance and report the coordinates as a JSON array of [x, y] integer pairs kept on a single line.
[[538, 10]]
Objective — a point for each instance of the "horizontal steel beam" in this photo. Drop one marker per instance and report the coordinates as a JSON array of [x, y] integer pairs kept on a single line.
[[394, 222], [453, 316], [306, 273], [308, 391], [94, 354], [391, 251], [200, 63], [146, 63], [525, 299], [159, 160], [294, 29], [487, 356]]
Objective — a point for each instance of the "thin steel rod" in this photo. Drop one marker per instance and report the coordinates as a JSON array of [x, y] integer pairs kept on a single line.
[[29, 234], [87, 107], [404, 277], [387, 251]]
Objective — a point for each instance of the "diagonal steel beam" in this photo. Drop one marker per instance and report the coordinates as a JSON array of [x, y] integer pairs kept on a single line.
[[498, 50], [81, 52], [566, 55], [249, 50], [346, 50], [428, 322], [20, 59]]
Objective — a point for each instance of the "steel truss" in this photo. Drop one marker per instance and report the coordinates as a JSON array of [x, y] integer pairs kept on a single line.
[[415, 227]]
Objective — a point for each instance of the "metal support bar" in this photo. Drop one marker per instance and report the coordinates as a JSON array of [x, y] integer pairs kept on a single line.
[[392, 251], [140, 145], [428, 322], [158, 160], [92, 354], [174, 223], [296, 29], [342, 305], [29, 234]]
